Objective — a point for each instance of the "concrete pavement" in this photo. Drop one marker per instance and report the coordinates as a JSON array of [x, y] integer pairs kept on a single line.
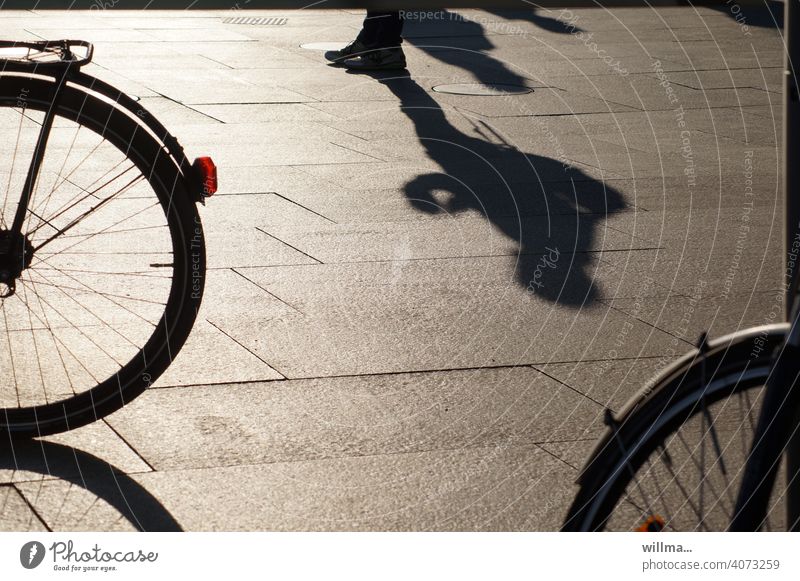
[[419, 303]]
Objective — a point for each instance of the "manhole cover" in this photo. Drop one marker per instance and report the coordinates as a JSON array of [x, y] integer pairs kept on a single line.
[[324, 45], [255, 21], [477, 89]]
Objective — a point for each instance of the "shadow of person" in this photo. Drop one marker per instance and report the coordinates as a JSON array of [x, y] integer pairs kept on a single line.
[[79, 469], [531, 15], [551, 210], [466, 44], [764, 14]]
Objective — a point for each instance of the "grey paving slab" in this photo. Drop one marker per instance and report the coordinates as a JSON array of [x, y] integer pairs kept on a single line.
[[714, 56], [248, 245], [237, 231], [647, 93], [285, 180], [261, 113], [377, 243], [455, 236], [574, 453], [543, 199], [753, 226], [495, 488], [211, 356], [91, 34], [230, 296], [660, 194], [722, 273], [611, 383], [372, 318], [288, 421], [270, 144], [540, 102], [174, 114], [765, 79], [688, 317], [205, 86], [426, 175]]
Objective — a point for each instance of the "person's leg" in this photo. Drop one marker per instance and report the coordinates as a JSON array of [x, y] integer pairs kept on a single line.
[[381, 34], [370, 37], [372, 32], [388, 29]]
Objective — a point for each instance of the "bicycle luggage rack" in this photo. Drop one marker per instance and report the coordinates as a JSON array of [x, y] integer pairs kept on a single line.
[[44, 56]]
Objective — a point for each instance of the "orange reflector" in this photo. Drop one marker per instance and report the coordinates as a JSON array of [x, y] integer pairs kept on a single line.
[[207, 173], [654, 524]]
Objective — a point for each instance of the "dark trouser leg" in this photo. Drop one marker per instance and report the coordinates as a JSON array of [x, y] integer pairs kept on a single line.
[[381, 29]]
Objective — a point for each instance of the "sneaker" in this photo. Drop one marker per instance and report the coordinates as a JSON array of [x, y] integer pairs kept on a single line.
[[353, 49], [378, 60]]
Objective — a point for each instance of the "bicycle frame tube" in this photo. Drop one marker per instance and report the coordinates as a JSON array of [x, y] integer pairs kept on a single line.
[[38, 156], [777, 429], [791, 141]]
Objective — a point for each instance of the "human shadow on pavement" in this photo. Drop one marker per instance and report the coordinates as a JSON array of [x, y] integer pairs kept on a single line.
[[540, 20], [555, 212], [764, 14], [56, 463], [467, 51]]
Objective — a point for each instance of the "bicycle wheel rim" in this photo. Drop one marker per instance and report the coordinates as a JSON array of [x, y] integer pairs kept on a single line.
[[176, 298], [705, 456]]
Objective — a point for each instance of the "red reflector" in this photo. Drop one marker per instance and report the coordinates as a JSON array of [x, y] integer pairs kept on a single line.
[[207, 173]]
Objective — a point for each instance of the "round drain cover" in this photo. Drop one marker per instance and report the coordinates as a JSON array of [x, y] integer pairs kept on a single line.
[[324, 45], [478, 89]]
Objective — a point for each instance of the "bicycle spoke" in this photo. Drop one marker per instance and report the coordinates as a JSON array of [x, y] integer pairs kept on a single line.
[[11, 171], [88, 212]]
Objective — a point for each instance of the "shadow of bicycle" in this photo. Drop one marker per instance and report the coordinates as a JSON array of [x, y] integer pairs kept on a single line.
[[49, 486]]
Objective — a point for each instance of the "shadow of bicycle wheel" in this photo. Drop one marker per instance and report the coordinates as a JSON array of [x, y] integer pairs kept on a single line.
[[69, 489]]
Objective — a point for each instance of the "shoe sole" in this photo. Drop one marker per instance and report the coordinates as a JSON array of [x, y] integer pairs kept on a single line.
[[392, 67]]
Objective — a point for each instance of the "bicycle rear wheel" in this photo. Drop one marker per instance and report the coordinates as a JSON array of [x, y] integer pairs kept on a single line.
[[675, 460], [111, 266]]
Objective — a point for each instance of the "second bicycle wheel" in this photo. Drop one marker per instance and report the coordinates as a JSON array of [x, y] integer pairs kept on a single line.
[[109, 269], [676, 459]]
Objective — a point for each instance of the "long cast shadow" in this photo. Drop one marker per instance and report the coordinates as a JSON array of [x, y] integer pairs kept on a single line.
[[468, 51], [132, 501], [552, 210]]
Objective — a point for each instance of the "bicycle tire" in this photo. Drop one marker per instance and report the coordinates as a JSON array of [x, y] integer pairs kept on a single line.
[[160, 190], [633, 475]]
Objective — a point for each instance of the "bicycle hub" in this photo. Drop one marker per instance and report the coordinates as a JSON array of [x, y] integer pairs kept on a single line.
[[16, 253]]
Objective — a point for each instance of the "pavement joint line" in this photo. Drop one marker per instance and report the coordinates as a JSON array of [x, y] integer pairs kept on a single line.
[[304, 207], [221, 383], [557, 457], [439, 258], [218, 62], [568, 386], [129, 445], [191, 108], [245, 194], [689, 344], [260, 229], [221, 268], [534, 365], [254, 354], [182, 104], [356, 151], [273, 295], [332, 458]]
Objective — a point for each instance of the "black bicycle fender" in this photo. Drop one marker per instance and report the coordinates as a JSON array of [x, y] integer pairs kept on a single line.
[[769, 334]]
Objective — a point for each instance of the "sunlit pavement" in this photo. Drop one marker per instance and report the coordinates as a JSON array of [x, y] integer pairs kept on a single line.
[[419, 303]]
